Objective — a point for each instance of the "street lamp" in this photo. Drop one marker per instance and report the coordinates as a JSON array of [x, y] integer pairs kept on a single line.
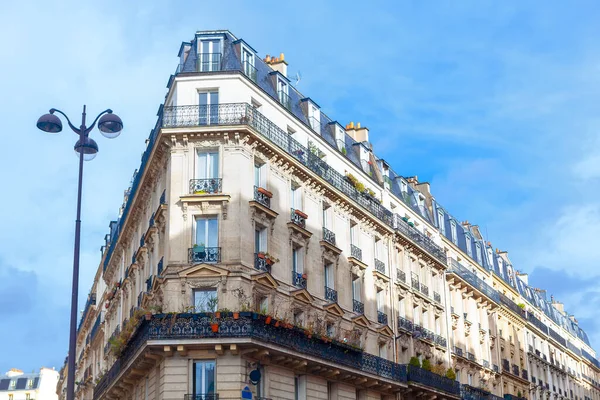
[[110, 126]]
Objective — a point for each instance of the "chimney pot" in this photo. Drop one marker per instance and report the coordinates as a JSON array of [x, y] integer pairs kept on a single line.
[[281, 57], [351, 125], [358, 125]]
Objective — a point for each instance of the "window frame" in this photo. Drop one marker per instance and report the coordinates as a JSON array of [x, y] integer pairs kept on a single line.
[[203, 378]]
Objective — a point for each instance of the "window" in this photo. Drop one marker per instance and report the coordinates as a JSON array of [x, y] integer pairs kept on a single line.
[[260, 175], [209, 57], [248, 64], [441, 222], [204, 378], [208, 112], [205, 300], [27, 396], [383, 351], [478, 253], [354, 234], [263, 305], [425, 319], [469, 244], [417, 316], [207, 232], [330, 329], [29, 383], [207, 165], [12, 385], [401, 310], [260, 239], [282, 93], [453, 231], [329, 279], [340, 138], [356, 288], [470, 379], [438, 326], [10, 396], [314, 117], [380, 301], [298, 318], [297, 260], [326, 216], [296, 197], [458, 375]]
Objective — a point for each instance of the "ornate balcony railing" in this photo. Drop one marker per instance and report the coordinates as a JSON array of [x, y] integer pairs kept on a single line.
[[204, 396], [382, 317], [405, 324], [424, 333], [204, 255], [524, 374], [206, 185], [358, 307], [380, 266], [537, 323], [261, 198], [245, 114], [355, 252], [260, 263], [440, 340], [424, 289], [331, 295], [515, 370], [198, 326], [470, 356], [472, 279], [496, 368], [468, 392], [556, 336], [328, 236], [159, 268], [485, 364], [298, 280], [400, 276], [249, 70], [511, 305], [415, 284], [298, 219], [458, 351], [436, 297], [163, 197], [505, 365], [428, 378]]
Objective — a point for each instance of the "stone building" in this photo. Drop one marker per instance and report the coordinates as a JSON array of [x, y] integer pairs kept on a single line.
[[264, 250]]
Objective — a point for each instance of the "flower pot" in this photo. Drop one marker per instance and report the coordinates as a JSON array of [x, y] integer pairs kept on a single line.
[[269, 261], [268, 320], [303, 276], [301, 214], [236, 315], [265, 192], [214, 327], [148, 316], [218, 314], [276, 324], [261, 255]]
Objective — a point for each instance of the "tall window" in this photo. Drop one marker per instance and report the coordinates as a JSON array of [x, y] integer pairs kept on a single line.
[[425, 319], [205, 300], [478, 253], [314, 117], [354, 234], [453, 231], [248, 64], [204, 378], [297, 260], [209, 58], [329, 279], [380, 301], [326, 216], [401, 305], [441, 222], [260, 239], [469, 249], [417, 316], [296, 197], [438, 326], [207, 231], [340, 138], [282, 93], [356, 288], [207, 165], [383, 351], [208, 112], [260, 175]]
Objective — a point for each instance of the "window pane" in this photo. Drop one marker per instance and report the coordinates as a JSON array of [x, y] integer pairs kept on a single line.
[[205, 300], [216, 46], [209, 377], [213, 166], [213, 233], [205, 46], [201, 232]]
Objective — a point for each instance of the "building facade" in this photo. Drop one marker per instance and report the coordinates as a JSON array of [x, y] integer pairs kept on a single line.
[[263, 250], [17, 385]]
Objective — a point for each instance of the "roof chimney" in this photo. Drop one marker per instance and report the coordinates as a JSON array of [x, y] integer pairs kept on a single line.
[[277, 63], [357, 133]]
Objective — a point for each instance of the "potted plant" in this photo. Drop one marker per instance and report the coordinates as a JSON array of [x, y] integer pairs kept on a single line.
[[344, 151], [268, 320], [265, 192], [261, 254], [214, 326], [200, 250], [270, 259]]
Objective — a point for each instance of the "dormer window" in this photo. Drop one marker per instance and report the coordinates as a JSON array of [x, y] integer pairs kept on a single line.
[[340, 138], [314, 117], [441, 224], [478, 253], [282, 93], [453, 231], [469, 249], [209, 55], [248, 64]]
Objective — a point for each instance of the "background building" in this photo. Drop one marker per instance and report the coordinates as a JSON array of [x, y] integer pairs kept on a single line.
[[261, 236], [17, 385]]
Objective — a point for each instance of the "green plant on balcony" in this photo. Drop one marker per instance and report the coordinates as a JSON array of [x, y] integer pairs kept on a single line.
[[522, 306], [439, 369], [344, 152], [414, 362], [426, 365], [519, 394], [450, 374], [199, 191]]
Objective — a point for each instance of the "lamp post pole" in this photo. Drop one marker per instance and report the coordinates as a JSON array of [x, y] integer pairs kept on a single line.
[[110, 125]]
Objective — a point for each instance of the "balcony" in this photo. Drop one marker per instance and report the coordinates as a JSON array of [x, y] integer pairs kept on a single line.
[[199, 254], [405, 324], [298, 218], [515, 370], [382, 317], [260, 263], [328, 236], [355, 252], [424, 290], [469, 392], [458, 351], [415, 284], [205, 396], [284, 99], [380, 266], [299, 279], [485, 364], [411, 232], [428, 378], [511, 305], [249, 70], [159, 268], [436, 297], [505, 365], [496, 368], [472, 279], [471, 357], [331, 295], [400, 276], [205, 186], [262, 196], [358, 307]]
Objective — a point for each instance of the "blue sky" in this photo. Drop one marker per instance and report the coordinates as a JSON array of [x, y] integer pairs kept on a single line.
[[494, 103]]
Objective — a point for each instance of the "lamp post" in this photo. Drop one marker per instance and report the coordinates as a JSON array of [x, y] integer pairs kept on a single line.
[[110, 126]]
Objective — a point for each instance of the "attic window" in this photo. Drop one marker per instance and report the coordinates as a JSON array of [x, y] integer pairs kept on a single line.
[[282, 93], [478, 253], [340, 136], [209, 55], [314, 117], [441, 224], [453, 231], [469, 249]]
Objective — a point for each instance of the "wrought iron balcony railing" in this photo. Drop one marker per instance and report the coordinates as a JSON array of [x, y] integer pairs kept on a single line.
[[208, 62], [428, 378], [424, 290], [382, 317], [505, 365], [524, 374], [328, 236], [331, 295], [380, 266], [496, 368], [206, 185], [405, 324], [355, 252], [515, 370], [400, 276], [358, 307], [261, 198], [470, 356], [249, 70], [472, 279], [468, 392], [485, 364], [436, 297], [260, 263], [298, 280], [297, 218], [458, 351], [203, 396], [159, 268], [415, 284], [537, 323], [163, 197], [511, 305], [204, 255]]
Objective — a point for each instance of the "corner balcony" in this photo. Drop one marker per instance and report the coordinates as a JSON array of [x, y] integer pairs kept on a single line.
[[204, 62], [206, 186], [199, 254]]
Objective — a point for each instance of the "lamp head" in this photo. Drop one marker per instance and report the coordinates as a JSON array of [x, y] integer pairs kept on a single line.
[[88, 147], [49, 123], [110, 125]]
